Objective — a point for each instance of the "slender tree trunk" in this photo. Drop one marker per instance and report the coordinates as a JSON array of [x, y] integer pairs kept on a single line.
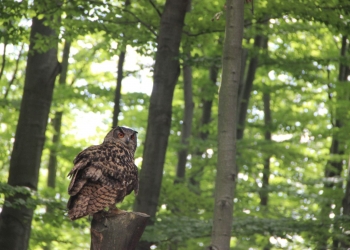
[[187, 120], [117, 95], [120, 76], [345, 243], [52, 166], [264, 193], [42, 69], [334, 167], [57, 122], [226, 170], [241, 81], [166, 72], [206, 105], [346, 208], [247, 87]]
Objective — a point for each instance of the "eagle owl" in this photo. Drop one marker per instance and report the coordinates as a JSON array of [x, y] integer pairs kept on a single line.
[[104, 174]]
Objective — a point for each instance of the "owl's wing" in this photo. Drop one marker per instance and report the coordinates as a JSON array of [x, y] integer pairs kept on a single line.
[[83, 170]]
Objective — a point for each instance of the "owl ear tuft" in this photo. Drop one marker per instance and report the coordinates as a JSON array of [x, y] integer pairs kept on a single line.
[[116, 131]]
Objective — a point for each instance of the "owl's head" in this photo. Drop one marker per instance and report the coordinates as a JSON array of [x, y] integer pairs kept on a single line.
[[125, 135]]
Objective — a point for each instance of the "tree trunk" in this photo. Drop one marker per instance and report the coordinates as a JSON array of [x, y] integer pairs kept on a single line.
[[333, 167], [187, 120], [264, 194], [52, 166], [346, 208], [207, 104], [166, 72], [247, 87], [120, 76], [42, 69], [117, 232], [264, 191], [57, 121], [226, 170], [241, 81], [344, 73], [117, 95]]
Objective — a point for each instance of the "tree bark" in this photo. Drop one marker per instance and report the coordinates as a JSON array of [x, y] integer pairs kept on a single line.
[[227, 124], [120, 76], [117, 232], [57, 122], [333, 167], [187, 121], [264, 191], [207, 104], [166, 72], [264, 194], [344, 73], [247, 87], [346, 208], [42, 69], [117, 95], [241, 81]]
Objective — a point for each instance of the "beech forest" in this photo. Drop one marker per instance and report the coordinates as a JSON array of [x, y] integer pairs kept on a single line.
[[242, 109]]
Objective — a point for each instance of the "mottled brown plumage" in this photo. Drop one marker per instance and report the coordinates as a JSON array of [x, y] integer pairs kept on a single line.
[[104, 174]]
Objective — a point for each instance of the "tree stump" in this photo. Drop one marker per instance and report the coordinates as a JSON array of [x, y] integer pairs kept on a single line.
[[117, 231]]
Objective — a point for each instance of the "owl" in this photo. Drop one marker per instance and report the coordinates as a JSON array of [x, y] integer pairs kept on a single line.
[[104, 174]]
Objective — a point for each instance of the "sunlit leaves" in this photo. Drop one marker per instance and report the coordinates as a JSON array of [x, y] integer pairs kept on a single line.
[[300, 71]]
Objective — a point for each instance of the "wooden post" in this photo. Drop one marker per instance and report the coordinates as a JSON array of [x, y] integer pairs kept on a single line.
[[117, 231]]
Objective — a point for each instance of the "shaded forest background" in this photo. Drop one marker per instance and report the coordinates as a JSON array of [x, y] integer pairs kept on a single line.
[[293, 188]]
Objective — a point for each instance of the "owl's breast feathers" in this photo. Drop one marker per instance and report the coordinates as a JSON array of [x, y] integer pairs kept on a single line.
[[101, 177]]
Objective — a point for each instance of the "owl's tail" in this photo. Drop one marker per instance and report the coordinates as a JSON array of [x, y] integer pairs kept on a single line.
[[91, 199], [78, 206]]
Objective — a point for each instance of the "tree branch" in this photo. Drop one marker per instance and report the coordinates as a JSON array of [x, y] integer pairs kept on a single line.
[[142, 22], [3, 58], [155, 7], [14, 72]]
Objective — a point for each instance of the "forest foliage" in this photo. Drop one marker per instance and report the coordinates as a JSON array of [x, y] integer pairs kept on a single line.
[[293, 187]]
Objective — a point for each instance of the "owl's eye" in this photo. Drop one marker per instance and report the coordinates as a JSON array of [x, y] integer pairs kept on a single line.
[[132, 137], [120, 135]]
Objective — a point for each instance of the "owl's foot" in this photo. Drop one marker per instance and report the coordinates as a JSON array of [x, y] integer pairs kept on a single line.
[[115, 211]]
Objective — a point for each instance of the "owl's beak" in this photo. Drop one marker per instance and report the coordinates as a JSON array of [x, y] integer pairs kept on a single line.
[[127, 140]]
